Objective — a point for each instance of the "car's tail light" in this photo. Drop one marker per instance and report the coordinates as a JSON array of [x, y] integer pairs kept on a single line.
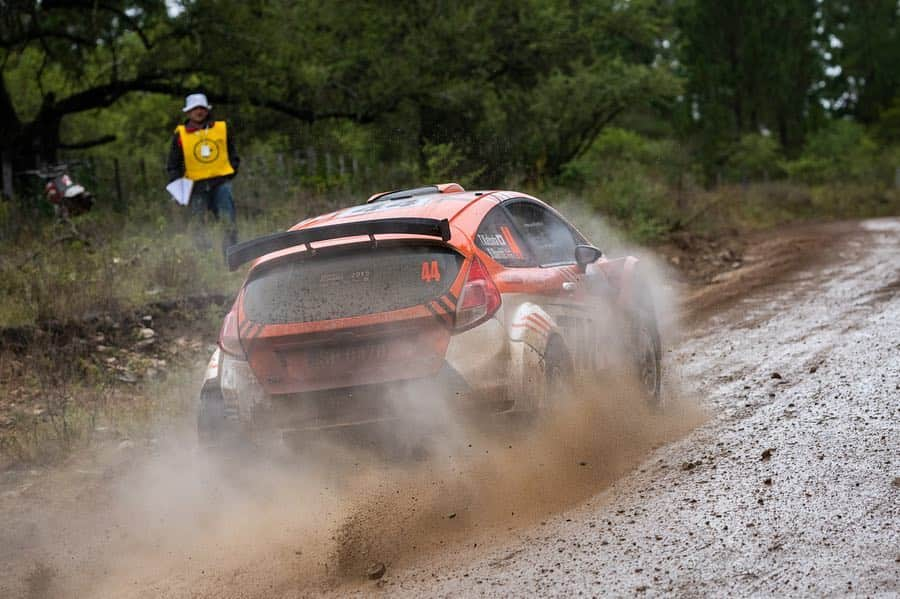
[[229, 340], [479, 299]]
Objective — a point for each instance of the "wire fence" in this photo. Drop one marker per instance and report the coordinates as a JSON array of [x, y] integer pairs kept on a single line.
[[262, 180], [304, 181]]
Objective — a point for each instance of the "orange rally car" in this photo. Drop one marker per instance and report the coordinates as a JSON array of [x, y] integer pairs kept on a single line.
[[486, 300]]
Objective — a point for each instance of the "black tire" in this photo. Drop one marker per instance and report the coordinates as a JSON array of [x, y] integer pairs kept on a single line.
[[646, 347], [558, 371], [647, 358], [214, 429]]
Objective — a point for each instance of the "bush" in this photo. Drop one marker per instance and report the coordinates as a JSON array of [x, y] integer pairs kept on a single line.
[[632, 180], [753, 157], [633, 202], [839, 152]]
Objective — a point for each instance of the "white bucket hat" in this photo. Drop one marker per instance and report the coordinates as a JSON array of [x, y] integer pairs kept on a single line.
[[195, 100]]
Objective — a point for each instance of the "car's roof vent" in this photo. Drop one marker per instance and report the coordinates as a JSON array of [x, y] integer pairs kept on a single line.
[[402, 194]]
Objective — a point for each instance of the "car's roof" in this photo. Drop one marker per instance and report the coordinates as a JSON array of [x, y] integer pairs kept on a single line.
[[433, 205], [448, 205]]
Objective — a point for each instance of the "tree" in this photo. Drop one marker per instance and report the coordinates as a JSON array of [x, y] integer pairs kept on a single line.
[[64, 57], [749, 66], [864, 44], [519, 86]]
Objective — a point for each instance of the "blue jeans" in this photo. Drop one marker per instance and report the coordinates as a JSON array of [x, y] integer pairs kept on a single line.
[[219, 201]]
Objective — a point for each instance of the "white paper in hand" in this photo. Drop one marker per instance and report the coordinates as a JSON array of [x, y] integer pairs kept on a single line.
[[181, 190]]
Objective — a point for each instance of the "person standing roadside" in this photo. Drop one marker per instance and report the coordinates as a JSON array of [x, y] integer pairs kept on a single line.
[[202, 150]]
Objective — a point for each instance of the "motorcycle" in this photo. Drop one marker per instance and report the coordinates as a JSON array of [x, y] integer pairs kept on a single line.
[[68, 197]]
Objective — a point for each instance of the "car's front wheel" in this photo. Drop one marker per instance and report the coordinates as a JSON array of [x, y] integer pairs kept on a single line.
[[646, 351], [558, 373]]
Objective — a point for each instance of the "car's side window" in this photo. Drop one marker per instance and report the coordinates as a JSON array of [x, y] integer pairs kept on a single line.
[[551, 239], [498, 238]]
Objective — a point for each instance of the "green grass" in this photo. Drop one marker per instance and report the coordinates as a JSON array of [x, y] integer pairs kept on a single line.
[[154, 253], [646, 212], [116, 262]]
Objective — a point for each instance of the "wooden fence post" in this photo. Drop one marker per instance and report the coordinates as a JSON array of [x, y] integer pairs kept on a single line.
[[143, 168], [120, 205], [7, 175], [311, 157]]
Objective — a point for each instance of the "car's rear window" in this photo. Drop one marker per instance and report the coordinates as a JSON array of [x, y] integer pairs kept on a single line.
[[350, 284]]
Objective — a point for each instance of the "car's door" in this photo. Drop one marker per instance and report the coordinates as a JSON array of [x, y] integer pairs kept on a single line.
[[552, 241]]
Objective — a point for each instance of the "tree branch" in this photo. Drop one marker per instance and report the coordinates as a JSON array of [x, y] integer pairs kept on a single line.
[[89, 143], [91, 4], [599, 123], [43, 34]]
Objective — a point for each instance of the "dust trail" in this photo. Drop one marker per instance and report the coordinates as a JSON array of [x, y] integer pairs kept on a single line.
[[661, 278], [179, 522], [182, 523], [498, 481], [481, 485]]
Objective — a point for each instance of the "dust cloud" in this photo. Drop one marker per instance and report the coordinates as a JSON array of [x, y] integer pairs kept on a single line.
[[511, 477], [660, 278], [181, 521]]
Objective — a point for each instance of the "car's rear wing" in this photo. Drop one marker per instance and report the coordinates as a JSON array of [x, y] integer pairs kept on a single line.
[[243, 252]]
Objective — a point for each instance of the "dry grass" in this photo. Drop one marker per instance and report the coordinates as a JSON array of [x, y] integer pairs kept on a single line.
[[765, 205]]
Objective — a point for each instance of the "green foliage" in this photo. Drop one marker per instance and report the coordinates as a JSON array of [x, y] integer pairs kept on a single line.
[[628, 102], [616, 150], [60, 276], [443, 164], [868, 44], [754, 157], [637, 181], [635, 203], [741, 79], [524, 101], [841, 151], [887, 129]]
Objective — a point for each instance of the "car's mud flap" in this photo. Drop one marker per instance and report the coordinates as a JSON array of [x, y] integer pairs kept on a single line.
[[530, 332]]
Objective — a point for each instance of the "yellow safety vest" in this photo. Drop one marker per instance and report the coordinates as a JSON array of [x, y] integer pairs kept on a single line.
[[205, 151]]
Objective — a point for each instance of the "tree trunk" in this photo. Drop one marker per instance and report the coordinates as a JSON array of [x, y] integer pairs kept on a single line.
[[6, 174], [10, 132]]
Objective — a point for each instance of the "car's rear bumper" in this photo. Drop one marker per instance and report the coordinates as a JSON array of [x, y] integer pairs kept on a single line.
[[473, 377]]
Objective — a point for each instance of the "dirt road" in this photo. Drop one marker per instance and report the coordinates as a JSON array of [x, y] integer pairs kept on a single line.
[[789, 485], [791, 488]]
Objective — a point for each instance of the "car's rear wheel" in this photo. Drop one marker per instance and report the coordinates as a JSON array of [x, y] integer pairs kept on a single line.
[[557, 383], [214, 428]]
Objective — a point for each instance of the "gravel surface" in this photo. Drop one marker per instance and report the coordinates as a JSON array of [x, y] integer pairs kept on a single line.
[[792, 488], [789, 487]]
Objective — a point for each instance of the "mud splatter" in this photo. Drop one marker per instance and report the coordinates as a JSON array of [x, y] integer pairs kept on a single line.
[[511, 479]]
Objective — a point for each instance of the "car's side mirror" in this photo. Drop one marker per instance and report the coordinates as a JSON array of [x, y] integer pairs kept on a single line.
[[585, 254]]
